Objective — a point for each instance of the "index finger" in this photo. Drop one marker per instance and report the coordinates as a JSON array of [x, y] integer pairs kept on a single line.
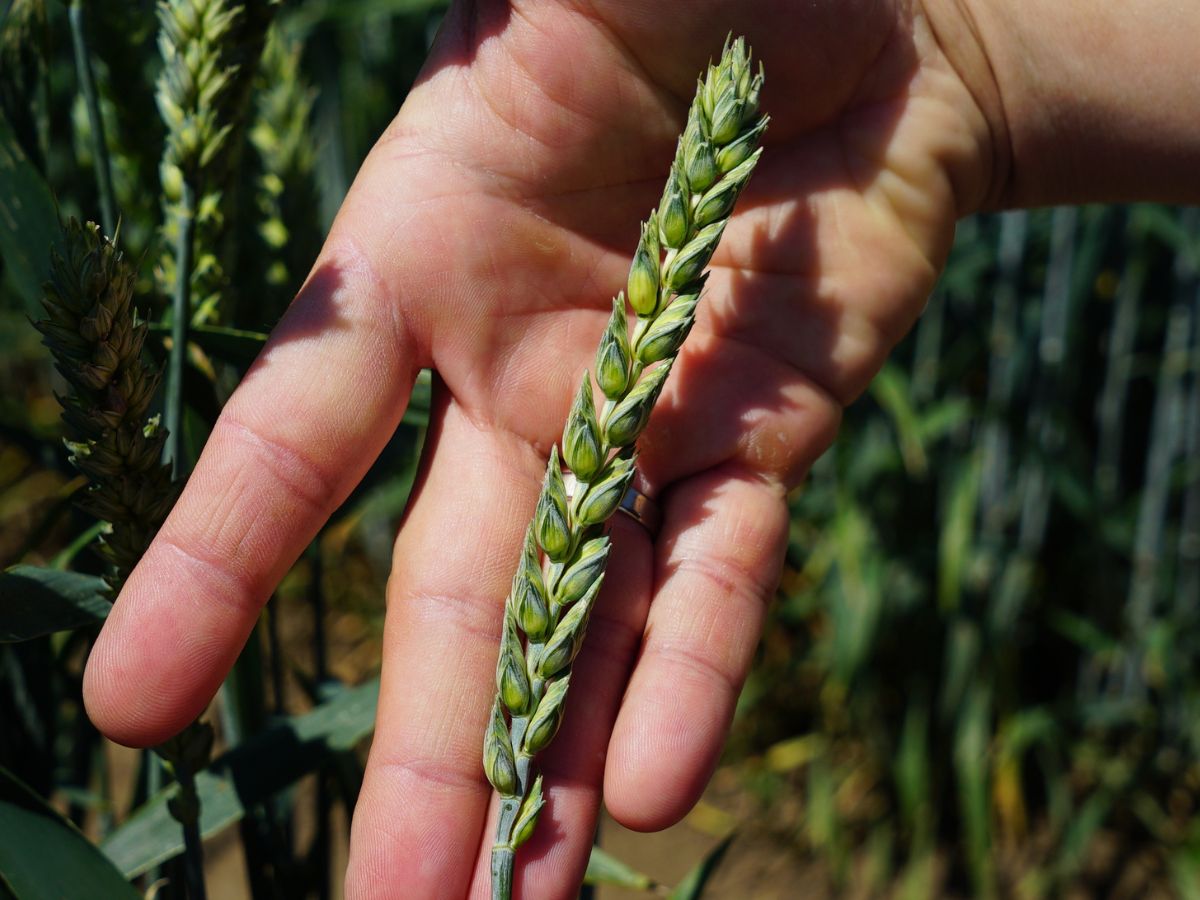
[[313, 412]]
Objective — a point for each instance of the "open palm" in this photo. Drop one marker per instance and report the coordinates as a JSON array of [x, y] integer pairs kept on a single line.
[[484, 237]]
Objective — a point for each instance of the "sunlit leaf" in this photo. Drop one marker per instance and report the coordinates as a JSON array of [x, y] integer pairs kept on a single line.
[[893, 392], [693, 884], [45, 857], [35, 602], [248, 774], [604, 868], [28, 221]]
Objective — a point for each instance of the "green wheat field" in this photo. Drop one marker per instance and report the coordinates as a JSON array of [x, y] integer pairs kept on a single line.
[[981, 674]]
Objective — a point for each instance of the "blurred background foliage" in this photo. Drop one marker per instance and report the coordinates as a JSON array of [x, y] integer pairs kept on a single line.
[[980, 677]]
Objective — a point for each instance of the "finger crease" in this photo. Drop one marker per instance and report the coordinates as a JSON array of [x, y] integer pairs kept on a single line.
[[294, 469], [684, 657], [436, 773], [470, 615], [613, 638], [235, 588], [729, 578]]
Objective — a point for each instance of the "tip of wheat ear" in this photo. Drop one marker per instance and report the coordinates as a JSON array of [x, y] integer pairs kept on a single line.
[[566, 552]]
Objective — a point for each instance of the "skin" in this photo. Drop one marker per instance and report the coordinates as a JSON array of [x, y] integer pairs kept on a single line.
[[484, 237]]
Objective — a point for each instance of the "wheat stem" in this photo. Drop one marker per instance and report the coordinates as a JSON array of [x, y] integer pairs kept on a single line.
[[185, 755], [87, 87], [566, 549], [181, 318], [193, 847]]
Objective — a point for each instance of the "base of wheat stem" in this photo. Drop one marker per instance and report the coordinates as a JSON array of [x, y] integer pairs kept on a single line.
[[504, 854]]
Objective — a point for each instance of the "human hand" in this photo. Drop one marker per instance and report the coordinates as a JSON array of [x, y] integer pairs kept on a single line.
[[484, 237]]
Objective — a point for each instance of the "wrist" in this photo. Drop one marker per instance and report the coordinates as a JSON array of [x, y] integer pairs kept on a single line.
[[962, 41], [1085, 101]]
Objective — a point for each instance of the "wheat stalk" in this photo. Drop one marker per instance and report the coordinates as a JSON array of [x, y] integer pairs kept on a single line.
[[563, 560], [96, 336], [209, 49]]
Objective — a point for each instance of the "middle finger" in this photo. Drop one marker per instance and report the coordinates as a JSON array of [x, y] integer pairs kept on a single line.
[[424, 796]]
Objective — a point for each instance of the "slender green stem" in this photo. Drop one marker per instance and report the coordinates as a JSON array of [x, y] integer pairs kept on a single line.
[[323, 800], [91, 99], [67, 554], [181, 314], [503, 857], [152, 765], [1120, 361], [193, 848], [1002, 374], [103, 787]]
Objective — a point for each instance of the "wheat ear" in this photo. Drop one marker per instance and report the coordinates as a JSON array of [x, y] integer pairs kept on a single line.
[[210, 51], [563, 560], [285, 191], [93, 330]]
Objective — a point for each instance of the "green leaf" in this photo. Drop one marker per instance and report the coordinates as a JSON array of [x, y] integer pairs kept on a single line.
[[35, 602], [42, 855], [914, 774], [63, 559], [1025, 729], [28, 221], [1185, 872], [694, 882], [822, 825], [231, 345], [417, 412], [1162, 223], [960, 663], [248, 774], [956, 540], [1083, 632], [973, 772], [940, 418], [300, 21], [857, 605], [604, 868], [892, 391], [1085, 824]]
